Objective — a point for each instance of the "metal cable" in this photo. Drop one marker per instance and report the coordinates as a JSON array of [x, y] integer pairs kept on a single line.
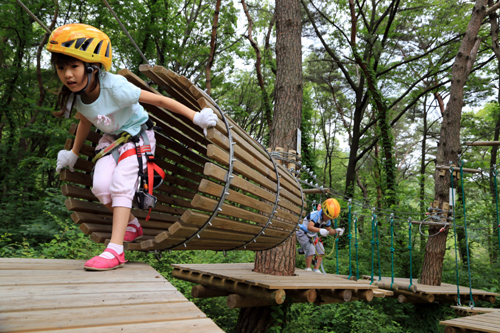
[[126, 32]]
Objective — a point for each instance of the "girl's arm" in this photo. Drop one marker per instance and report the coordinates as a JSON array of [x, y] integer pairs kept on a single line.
[[166, 103], [81, 134]]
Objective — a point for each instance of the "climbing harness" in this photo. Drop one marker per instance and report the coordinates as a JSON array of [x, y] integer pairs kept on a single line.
[[148, 180]]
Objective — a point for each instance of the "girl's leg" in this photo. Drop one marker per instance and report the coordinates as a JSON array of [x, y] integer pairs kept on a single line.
[[309, 261], [130, 218], [120, 220]]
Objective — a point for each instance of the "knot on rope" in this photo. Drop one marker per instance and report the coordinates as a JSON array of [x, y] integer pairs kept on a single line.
[[410, 248], [377, 242], [356, 245], [349, 237], [372, 243], [336, 240], [392, 250], [441, 230]]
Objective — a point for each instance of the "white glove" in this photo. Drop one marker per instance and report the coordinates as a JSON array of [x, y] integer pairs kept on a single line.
[[324, 232], [66, 158], [205, 118], [340, 231]]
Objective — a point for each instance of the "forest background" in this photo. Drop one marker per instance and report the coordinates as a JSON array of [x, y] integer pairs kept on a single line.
[[409, 49]]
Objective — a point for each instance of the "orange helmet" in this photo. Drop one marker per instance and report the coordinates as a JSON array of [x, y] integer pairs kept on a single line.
[[83, 42], [331, 208]]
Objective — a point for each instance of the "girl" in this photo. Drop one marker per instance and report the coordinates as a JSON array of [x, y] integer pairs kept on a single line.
[[111, 104]]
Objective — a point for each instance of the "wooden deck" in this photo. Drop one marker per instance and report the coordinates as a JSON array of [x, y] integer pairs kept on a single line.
[[245, 287], [445, 293], [489, 322], [45, 295]]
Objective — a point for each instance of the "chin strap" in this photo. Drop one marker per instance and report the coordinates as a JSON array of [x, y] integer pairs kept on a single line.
[[89, 77]]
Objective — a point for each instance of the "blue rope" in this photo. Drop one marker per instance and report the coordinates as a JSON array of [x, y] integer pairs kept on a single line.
[[378, 251], [410, 248], [349, 236], [471, 302], [455, 236], [392, 250], [495, 174], [337, 248], [373, 243], [356, 245]]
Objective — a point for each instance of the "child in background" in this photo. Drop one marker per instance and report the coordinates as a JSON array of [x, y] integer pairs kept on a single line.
[[110, 103], [314, 222]]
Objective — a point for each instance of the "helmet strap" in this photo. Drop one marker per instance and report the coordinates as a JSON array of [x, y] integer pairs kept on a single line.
[[89, 76]]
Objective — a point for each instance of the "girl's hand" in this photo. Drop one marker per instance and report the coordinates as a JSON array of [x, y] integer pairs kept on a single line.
[[66, 158], [205, 118]]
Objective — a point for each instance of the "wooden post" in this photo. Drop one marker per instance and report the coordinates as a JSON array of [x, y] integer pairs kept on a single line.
[[207, 292], [416, 298], [231, 286], [363, 295], [451, 329], [387, 285], [303, 296], [278, 161], [292, 156], [488, 298], [235, 301], [334, 296]]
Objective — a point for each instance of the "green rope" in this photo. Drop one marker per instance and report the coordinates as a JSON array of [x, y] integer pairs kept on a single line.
[[495, 173], [356, 245], [392, 249], [349, 236], [471, 302], [373, 243], [378, 250], [337, 248], [455, 235], [410, 248]]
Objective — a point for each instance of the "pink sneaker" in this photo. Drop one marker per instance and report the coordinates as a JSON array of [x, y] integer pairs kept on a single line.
[[131, 236], [102, 264]]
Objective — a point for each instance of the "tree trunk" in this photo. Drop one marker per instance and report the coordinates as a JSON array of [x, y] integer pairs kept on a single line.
[[449, 145], [423, 206], [287, 118]]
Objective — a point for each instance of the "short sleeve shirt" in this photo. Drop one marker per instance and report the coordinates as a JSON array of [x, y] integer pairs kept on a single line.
[[317, 218], [117, 108]]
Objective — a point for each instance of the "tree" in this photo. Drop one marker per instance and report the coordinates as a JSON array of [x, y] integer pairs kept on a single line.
[[449, 145], [287, 118]]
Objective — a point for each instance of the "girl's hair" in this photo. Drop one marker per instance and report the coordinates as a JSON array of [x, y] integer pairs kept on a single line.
[[59, 59]]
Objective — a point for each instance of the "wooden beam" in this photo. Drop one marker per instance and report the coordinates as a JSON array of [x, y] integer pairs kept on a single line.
[[458, 169], [483, 143], [303, 296], [232, 287], [328, 296], [207, 292], [315, 190], [363, 295]]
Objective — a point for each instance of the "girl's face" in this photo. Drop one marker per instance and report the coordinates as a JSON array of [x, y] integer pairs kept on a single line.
[[73, 75]]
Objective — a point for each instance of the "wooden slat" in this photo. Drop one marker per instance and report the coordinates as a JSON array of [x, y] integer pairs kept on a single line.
[[219, 173], [199, 219], [196, 325], [208, 204]]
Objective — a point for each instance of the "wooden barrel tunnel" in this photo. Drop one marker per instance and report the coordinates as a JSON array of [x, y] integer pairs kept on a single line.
[[222, 192]]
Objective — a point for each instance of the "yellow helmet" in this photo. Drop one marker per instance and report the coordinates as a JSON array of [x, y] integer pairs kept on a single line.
[[331, 208], [83, 42]]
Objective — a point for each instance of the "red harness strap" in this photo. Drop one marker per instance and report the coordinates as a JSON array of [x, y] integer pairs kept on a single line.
[[151, 166]]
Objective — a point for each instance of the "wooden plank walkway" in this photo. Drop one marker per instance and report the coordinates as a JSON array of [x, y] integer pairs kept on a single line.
[[489, 322], [46, 294], [468, 310], [244, 273], [444, 293]]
